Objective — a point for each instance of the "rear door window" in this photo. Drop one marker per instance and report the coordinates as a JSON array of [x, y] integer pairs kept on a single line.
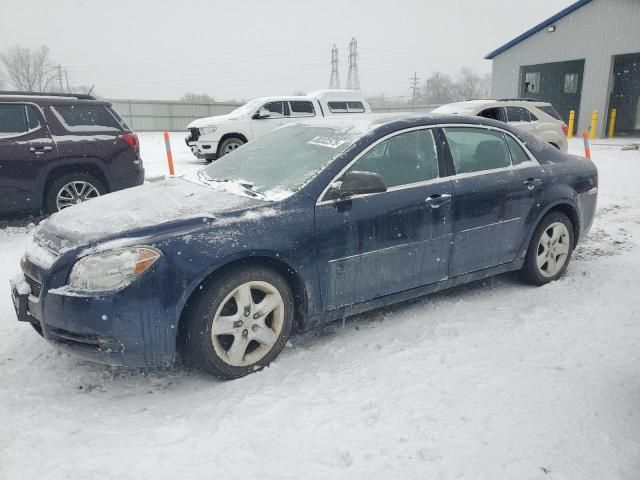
[[518, 155], [83, 118], [33, 117], [495, 113], [476, 150], [13, 119], [301, 109], [518, 114]]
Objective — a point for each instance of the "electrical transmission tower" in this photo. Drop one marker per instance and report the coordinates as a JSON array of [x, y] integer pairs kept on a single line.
[[413, 86], [334, 83], [353, 82]]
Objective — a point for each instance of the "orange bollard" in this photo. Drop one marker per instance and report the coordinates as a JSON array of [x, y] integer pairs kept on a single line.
[[167, 144], [587, 146]]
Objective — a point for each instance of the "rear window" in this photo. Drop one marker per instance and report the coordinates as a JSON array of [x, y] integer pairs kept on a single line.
[[346, 107], [518, 114], [83, 118], [549, 110]]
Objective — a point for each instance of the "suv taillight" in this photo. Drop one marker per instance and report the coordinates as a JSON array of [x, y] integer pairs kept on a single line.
[[131, 139], [565, 129]]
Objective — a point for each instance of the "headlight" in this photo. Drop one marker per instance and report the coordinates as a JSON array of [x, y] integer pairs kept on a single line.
[[208, 130], [113, 269]]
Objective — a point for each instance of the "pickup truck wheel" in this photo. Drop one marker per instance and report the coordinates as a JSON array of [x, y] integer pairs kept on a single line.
[[71, 189], [238, 323], [229, 145]]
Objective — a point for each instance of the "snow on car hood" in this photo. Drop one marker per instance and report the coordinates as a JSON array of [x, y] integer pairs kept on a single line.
[[204, 122], [135, 208]]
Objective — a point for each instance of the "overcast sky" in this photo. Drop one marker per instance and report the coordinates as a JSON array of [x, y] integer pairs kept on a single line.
[[247, 48]]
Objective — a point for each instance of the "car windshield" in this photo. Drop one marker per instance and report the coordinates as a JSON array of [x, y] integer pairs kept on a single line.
[[248, 107], [282, 161]]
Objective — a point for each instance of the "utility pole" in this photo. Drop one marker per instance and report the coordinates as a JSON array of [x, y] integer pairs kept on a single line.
[[334, 83], [353, 82], [413, 86], [66, 77], [60, 77]]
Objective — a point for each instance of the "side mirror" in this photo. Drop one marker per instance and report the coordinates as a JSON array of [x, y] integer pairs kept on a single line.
[[358, 183], [262, 113]]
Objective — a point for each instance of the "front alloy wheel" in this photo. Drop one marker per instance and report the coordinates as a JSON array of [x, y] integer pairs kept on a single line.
[[247, 323], [238, 323]]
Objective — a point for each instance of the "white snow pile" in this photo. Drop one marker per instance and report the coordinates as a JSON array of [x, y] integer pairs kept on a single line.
[[490, 381]]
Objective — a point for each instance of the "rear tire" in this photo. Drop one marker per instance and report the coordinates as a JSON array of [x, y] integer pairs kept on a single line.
[[229, 145], [70, 189], [238, 323], [550, 250]]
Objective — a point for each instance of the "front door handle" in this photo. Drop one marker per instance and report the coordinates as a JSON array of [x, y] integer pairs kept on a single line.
[[437, 200], [532, 183], [44, 148]]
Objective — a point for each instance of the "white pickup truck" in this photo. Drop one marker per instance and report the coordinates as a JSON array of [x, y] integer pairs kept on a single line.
[[212, 137]]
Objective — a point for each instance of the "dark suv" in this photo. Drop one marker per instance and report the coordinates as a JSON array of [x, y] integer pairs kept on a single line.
[[58, 150]]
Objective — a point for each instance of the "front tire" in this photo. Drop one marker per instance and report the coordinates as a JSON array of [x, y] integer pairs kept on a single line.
[[550, 250], [239, 322], [229, 145], [70, 189]]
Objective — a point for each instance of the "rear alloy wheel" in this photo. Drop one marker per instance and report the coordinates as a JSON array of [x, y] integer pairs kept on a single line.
[[239, 323], [550, 250], [72, 189], [230, 145]]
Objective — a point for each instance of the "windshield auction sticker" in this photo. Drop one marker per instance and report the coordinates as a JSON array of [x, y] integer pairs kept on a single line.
[[328, 142]]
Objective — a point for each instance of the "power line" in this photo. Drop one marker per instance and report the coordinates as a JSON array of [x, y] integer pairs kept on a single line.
[[353, 82], [334, 83]]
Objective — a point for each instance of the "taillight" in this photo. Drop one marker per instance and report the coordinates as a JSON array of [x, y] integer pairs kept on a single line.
[[131, 139], [565, 129]]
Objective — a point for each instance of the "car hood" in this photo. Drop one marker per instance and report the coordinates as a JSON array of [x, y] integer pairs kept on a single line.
[[134, 209], [207, 121]]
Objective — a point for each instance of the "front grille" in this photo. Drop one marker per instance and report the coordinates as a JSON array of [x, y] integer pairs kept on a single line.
[[36, 286], [195, 134]]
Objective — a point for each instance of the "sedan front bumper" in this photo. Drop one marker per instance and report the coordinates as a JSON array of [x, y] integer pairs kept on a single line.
[[133, 327]]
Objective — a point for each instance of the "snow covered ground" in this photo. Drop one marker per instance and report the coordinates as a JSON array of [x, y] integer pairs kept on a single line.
[[493, 380]]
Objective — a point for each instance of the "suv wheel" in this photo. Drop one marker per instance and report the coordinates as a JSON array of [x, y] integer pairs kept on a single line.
[[229, 145], [71, 189], [239, 322]]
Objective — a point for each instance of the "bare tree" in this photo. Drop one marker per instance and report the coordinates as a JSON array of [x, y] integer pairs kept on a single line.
[[439, 88], [469, 84], [197, 98], [29, 69]]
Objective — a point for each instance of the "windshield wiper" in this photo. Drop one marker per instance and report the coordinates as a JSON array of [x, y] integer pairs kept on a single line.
[[247, 186]]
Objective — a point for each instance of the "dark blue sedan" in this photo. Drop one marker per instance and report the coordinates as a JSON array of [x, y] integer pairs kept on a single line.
[[308, 224]]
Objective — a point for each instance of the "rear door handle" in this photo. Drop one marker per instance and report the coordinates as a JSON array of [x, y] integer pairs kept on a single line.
[[437, 200], [44, 148], [532, 183]]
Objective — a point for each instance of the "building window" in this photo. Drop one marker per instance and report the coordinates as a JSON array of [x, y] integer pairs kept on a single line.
[[532, 82], [571, 83]]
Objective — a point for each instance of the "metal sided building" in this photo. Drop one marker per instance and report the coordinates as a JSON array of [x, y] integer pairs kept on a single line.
[[584, 58]]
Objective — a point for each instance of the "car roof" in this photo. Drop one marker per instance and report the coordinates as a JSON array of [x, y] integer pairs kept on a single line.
[[50, 98], [471, 106], [365, 124]]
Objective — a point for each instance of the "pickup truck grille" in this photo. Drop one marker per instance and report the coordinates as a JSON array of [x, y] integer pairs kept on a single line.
[[36, 287], [195, 135]]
